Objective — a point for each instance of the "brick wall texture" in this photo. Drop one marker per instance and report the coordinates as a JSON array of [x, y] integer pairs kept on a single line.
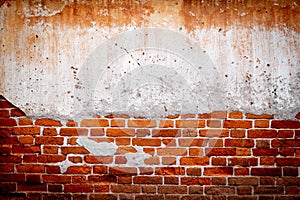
[[219, 155]]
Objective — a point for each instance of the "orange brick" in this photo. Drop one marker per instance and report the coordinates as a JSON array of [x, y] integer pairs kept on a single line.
[[243, 151], [49, 140], [51, 158], [125, 149], [94, 122], [168, 123], [189, 132], [262, 133], [168, 160], [237, 133], [72, 141], [100, 169], [142, 132], [185, 116], [241, 171], [73, 132], [50, 149], [26, 149], [236, 115], [97, 132], [220, 151], [169, 171], [98, 159], [163, 189], [187, 142], [117, 116], [122, 141], [261, 116], [194, 160], [146, 123], [152, 161], [56, 179], [49, 131], [71, 123], [190, 123], [79, 170], [214, 132], [17, 112], [147, 180], [120, 160], [171, 151], [26, 139], [261, 123], [25, 121], [146, 142], [120, 132], [196, 151], [122, 171], [117, 123], [47, 122], [219, 161], [239, 143], [218, 171], [237, 124], [166, 132], [26, 130], [215, 142], [78, 179], [242, 162], [74, 150], [31, 168], [169, 142], [214, 123], [216, 114]]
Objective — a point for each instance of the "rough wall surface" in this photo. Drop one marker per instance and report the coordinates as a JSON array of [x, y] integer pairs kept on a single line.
[[215, 155], [82, 54]]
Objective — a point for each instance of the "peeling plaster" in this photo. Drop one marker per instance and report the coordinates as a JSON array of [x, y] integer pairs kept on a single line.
[[97, 149], [138, 158]]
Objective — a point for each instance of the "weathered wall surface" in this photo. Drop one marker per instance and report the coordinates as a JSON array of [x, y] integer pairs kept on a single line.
[[68, 59]]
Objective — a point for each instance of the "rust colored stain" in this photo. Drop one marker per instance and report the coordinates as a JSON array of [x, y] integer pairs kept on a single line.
[[242, 13]]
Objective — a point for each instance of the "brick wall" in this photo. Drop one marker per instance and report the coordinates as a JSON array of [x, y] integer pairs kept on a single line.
[[220, 155]]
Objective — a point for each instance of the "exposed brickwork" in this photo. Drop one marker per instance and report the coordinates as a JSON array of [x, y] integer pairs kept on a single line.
[[219, 155]]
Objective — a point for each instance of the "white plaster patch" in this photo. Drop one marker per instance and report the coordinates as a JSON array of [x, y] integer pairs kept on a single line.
[[138, 158], [97, 149], [64, 165]]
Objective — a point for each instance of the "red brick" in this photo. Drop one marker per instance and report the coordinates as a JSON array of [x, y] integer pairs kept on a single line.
[[288, 181], [47, 122], [6, 168], [219, 190], [237, 133], [71, 123], [265, 180], [263, 144], [215, 142], [10, 159], [218, 171], [30, 168], [167, 123], [26, 139], [50, 149], [49, 140], [237, 124], [169, 171], [142, 123], [53, 170], [214, 132], [8, 122], [12, 177], [288, 161], [54, 188], [292, 190], [262, 133], [261, 116], [162, 189], [285, 133], [26, 149], [74, 188], [219, 161], [243, 181], [242, 151], [241, 171], [218, 181], [56, 179], [4, 114], [146, 142], [171, 180], [51, 158], [261, 123], [117, 116], [268, 190], [102, 179], [287, 151], [169, 142], [117, 123], [79, 170], [289, 124], [122, 171], [120, 132], [166, 132], [5, 104], [266, 172], [103, 196], [187, 142], [290, 171], [9, 140], [5, 150], [194, 160], [49, 131], [125, 179], [100, 169], [7, 187], [97, 132], [32, 187], [94, 122], [125, 188], [26, 130], [72, 141], [265, 152], [146, 171], [286, 143], [98, 159], [216, 114], [244, 190], [297, 116], [147, 180], [194, 190], [101, 188], [171, 152], [194, 171], [25, 121], [173, 116], [267, 160], [30, 158], [220, 151], [17, 113], [74, 150], [149, 189], [73, 132], [195, 181], [190, 123], [239, 142]]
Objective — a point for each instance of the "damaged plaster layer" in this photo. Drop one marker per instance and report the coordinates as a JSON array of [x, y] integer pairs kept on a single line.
[[254, 46], [97, 149]]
